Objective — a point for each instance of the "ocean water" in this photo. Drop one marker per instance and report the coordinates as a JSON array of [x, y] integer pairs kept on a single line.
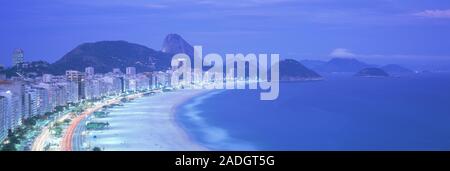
[[340, 113]]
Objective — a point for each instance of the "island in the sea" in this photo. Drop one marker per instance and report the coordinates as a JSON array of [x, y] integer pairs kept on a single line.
[[292, 70], [396, 70], [372, 72]]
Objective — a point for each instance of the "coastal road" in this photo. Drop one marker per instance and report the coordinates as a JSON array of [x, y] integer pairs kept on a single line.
[[67, 141], [78, 137], [73, 138], [41, 140]]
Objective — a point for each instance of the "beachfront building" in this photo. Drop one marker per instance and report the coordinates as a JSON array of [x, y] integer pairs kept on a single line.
[[39, 101], [130, 71], [89, 72], [125, 84], [137, 83], [93, 88], [77, 77], [50, 98], [61, 94], [47, 78], [11, 92], [71, 91], [113, 84], [132, 84], [109, 84], [142, 82], [160, 79], [33, 101], [3, 113], [40, 98], [25, 102]]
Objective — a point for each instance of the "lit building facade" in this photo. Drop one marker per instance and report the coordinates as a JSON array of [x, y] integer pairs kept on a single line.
[[3, 113], [131, 71], [77, 77], [18, 57]]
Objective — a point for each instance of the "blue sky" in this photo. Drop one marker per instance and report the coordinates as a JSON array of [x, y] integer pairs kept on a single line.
[[410, 32]]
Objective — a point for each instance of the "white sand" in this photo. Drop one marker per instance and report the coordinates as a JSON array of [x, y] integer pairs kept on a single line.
[[147, 123]]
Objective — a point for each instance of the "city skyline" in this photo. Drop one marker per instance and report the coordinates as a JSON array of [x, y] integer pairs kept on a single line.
[[23, 99], [407, 32]]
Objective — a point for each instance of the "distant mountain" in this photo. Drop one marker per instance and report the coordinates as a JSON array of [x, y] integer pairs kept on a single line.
[[292, 70], [106, 55], [336, 65], [174, 43], [313, 63], [394, 69], [343, 65], [372, 72]]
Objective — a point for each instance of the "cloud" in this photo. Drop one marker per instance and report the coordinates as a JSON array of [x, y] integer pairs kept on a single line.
[[434, 13], [118, 3], [154, 6], [345, 53], [341, 52], [240, 3]]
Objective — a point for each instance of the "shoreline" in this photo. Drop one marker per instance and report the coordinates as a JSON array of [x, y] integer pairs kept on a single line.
[[152, 127], [174, 113]]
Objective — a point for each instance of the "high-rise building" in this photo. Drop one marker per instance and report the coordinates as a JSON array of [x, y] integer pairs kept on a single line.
[[92, 90], [44, 100], [132, 84], [160, 79], [18, 56], [142, 82], [33, 99], [3, 113], [25, 99], [61, 94], [131, 71], [11, 91], [47, 78], [72, 92], [39, 101], [73, 75], [113, 84], [51, 94], [89, 71], [77, 77]]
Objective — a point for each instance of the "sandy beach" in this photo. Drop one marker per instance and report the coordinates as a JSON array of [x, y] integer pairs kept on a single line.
[[146, 124]]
